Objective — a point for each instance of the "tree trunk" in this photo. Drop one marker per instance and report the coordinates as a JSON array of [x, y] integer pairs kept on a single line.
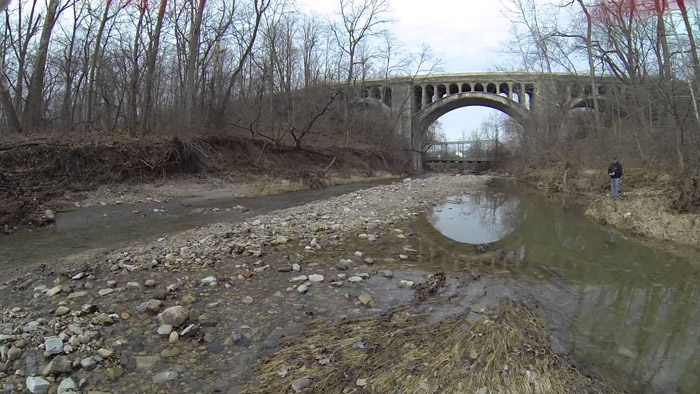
[[134, 78], [32, 113], [192, 56], [10, 111], [150, 70], [591, 63], [665, 66], [93, 66], [691, 39]]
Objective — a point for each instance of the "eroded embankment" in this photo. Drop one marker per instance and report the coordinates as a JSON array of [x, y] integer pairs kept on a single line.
[[194, 312], [34, 172]]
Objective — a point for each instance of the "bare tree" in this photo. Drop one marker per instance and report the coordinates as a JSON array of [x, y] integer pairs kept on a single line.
[[32, 112]]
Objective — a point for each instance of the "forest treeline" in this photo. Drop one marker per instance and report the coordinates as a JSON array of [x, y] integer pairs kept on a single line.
[[146, 66], [649, 50]]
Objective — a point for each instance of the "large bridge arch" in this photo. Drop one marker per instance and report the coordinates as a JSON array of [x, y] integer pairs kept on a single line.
[[429, 114]]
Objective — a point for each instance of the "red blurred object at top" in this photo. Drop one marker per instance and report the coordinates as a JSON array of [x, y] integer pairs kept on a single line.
[[604, 9]]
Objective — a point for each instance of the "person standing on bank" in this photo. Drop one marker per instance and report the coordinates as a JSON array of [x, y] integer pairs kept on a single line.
[[615, 172]]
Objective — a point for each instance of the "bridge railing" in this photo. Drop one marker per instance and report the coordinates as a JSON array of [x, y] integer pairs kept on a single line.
[[463, 151]]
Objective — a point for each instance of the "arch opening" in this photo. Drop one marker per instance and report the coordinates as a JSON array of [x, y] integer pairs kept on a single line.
[[429, 93], [429, 114], [454, 89], [418, 98], [441, 91], [466, 88]]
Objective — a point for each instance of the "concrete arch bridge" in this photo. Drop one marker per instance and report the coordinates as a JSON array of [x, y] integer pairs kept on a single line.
[[416, 103]]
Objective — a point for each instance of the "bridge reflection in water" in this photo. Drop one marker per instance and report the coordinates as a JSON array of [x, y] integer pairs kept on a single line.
[[481, 151], [622, 308]]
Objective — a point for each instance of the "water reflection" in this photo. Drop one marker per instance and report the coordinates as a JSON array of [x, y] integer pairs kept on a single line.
[[477, 218], [632, 311]]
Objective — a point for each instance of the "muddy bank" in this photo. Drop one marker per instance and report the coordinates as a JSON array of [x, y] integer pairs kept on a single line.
[[195, 311], [648, 208], [39, 174]]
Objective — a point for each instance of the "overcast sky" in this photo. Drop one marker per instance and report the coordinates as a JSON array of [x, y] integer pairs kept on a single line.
[[465, 34]]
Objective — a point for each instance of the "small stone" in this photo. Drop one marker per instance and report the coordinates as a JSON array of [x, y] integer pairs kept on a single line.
[[366, 299], [78, 276], [406, 283], [301, 278], [280, 240], [165, 330], [77, 294], [361, 382], [337, 284], [165, 376], [111, 283], [105, 353], [483, 390], [88, 363], [359, 254], [53, 345], [369, 261], [355, 279], [403, 257], [14, 353], [301, 384], [153, 306], [316, 278], [303, 289], [174, 316], [296, 267], [50, 215], [133, 285], [126, 315], [248, 300], [173, 337], [105, 292], [37, 385], [388, 274], [208, 280], [150, 283], [62, 310], [67, 386], [206, 320], [342, 266], [53, 291]]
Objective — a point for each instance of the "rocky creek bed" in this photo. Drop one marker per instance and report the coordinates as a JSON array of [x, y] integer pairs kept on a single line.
[[292, 292]]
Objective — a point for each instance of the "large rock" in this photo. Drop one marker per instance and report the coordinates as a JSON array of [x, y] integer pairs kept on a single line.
[[174, 316], [53, 345], [60, 364], [37, 385]]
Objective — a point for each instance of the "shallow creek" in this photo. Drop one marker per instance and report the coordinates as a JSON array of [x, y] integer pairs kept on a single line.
[[615, 305], [107, 227]]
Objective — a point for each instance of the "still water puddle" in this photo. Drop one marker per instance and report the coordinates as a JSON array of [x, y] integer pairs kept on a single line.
[[477, 218], [631, 311]]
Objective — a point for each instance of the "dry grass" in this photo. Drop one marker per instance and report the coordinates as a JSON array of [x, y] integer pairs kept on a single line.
[[647, 216], [507, 353]]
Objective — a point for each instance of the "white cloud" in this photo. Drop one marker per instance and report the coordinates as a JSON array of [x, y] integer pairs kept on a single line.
[[465, 34]]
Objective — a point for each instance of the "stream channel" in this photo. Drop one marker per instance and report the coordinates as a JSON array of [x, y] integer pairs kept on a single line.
[[616, 306]]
